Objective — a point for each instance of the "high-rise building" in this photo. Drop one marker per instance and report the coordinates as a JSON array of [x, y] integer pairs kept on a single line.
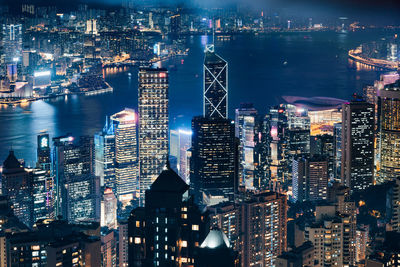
[[317, 179], [104, 159], [126, 157], [91, 45], [108, 216], [245, 123], [264, 228], [185, 143], [153, 126], [108, 248], [323, 145], [337, 145], [395, 220], [262, 153], [389, 122], [180, 143], [358, 125], [214, 160], [310, 179], [12, 42], [77, 188], [43, 180], [226, 216], [55, 243], [43, 198], [123, 243], [169, 229], [43, 152], [215, 85], [17, 184]]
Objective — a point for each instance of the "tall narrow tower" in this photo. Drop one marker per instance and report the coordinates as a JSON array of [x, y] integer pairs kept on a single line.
[[215, 85], [153, 126]]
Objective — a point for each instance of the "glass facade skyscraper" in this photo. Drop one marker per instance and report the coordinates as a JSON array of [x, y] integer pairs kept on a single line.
[[153, 126], [214, 161], [215, 85], [126, 158], [389, 118], [77, 194], [358, 125], [104, 147], [245, 122]]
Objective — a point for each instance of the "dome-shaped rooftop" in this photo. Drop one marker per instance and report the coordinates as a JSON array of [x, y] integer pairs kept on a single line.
[[215, 239]]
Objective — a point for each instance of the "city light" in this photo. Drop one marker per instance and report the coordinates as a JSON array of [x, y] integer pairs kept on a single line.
[[42, 73]]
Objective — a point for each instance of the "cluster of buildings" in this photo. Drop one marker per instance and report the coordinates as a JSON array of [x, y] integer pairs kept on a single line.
[[265, 189]]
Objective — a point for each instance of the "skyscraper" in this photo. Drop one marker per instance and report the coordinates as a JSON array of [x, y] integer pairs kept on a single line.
[[91, 44], [245, 123], [337, 145], [262, 152], [180, 143], [214, 158], [389, 121], [104, 159], [215, 85], [310, 179], [126, 158], [108, 209], [263, 224], [169, 229], [12, 42], [43, 152], [43, 180], [77, 194], [153, 126], [358, 125], [17, 184]]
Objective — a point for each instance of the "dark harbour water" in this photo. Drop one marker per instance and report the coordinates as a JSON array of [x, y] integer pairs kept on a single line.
[[317, 65]]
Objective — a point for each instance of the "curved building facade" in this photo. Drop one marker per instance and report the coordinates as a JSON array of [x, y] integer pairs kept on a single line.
[[389, 117]]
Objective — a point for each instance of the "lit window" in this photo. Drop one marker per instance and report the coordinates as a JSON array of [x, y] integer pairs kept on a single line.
[[195, 227], [137, 240], [137, 223], [184, 243]]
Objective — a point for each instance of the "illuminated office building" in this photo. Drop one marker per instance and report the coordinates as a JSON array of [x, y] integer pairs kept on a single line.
[[43, 179], [337, 145], [91, 45], [389, 120], [17, 184], [169, 229], [263, 224], [12, 42], [185, 143], [323, 145], [310, 179], [104, 159], [215, 85], [226, 216], [262, 150], [43, 199], [77, 188], [126, 158], [43, 151], [214, 159], [245, 123], [358, 125], [108, 210], [180, 143], [153, 126]]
